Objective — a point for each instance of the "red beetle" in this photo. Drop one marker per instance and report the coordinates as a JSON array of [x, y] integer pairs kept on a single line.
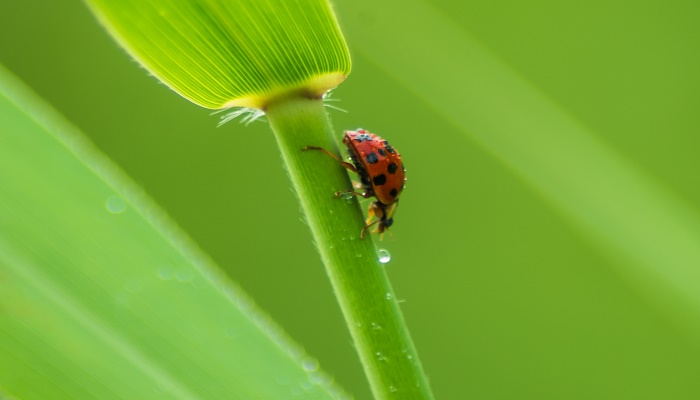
[[381, 171]]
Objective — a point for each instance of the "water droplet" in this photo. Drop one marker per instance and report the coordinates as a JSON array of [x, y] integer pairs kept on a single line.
[[389, 296], [409, 357], [384, 256], [376, 326], [309, 364], [347, 195], [359, 324], [165, 273], [115, 205], [380, 356], [393, 389], [358, 255], [316, 378], [319, 378], [331, 211]]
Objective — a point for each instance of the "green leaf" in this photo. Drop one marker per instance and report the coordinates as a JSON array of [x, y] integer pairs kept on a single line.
[[220, 54], [101, 296]]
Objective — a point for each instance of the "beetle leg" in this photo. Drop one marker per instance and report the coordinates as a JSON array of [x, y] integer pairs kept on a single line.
[[364, 230], [350, 192], [345, 164], [354, 193], [370, 214], [376, 210]]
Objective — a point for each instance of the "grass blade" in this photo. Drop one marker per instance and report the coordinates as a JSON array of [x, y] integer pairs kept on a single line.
[[101, 296]]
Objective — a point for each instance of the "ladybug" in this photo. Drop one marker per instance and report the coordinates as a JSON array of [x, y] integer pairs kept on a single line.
[[381, 171]]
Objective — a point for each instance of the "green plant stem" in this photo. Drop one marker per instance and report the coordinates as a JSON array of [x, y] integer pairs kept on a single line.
[[358, 278]]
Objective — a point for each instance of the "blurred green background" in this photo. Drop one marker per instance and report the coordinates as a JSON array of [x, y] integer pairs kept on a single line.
[[504, 297]]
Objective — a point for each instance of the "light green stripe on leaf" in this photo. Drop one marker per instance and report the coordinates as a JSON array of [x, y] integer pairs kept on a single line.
[[224, 53]]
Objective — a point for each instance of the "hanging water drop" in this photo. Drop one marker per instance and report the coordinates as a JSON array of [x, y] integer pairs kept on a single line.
[[384, 256]]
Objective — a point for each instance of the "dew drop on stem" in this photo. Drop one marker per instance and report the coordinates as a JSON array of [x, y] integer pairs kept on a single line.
[[384, 256]]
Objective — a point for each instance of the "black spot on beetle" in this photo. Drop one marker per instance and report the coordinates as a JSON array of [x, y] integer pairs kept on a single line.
[[379, 180], [392, 168], [372, 158], [389, 148], [381, 152], [394, 192]]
